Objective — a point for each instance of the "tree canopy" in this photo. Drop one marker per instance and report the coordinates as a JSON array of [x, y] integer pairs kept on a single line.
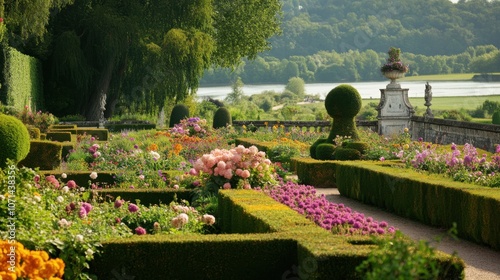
[[138, 54]]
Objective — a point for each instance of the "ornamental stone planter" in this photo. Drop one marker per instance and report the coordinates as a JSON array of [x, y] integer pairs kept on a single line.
[[393, 76]]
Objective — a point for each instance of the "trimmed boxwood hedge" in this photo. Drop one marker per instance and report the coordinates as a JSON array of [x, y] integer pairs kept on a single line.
[[46, 155], [280, 243], [58, 136], [431, 199]]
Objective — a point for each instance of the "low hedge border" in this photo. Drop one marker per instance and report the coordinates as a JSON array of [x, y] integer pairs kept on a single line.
[[279, 243], [100, 133], [318, 173], [44, 155], [58, 136], [431, 199], [247, 142], [117, 127]]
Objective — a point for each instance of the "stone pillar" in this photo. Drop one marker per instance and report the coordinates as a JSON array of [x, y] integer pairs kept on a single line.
[[394, 110]]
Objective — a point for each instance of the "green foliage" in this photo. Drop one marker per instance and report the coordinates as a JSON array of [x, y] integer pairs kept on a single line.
[[58, 136], [343, 101], [179, 112], [362, 147], [342, 153], [45, 155], [400, 258], [34, 132], [283, 154], [236, 94], [14, 140], [325, 151], [491, 106], [495, 119], [458, 115], [312, 149], [22, 80], [222, 118], [297, 86]]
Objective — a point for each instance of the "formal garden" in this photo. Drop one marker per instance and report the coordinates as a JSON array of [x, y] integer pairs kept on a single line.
[[194, 201]]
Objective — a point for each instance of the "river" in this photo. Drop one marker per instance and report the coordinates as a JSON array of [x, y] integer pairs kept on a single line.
[[369, 90]]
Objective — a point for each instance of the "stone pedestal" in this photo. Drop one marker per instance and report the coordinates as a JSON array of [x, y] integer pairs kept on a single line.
[[394, 110]]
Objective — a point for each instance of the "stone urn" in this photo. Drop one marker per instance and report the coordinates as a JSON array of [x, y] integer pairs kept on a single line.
[[393, 76]]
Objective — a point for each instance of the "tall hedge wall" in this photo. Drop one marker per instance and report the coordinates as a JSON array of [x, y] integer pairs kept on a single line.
[[21, 79]]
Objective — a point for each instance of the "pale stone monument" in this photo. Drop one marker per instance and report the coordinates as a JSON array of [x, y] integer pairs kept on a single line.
[[394, 109], [102, 120]]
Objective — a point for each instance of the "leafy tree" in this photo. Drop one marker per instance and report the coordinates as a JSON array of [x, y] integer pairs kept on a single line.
[[236, 94], [297, 86], [150, 53]]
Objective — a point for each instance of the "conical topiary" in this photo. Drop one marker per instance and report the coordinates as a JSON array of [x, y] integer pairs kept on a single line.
[[14, 140], [222, 118], [179, 112]]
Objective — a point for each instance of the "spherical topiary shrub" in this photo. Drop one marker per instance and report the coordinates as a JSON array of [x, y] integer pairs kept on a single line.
[[14, 140], [222, 118], [495, 119], [325, 151], [179, 112], [342, 104], [312, 149], [342, 153]]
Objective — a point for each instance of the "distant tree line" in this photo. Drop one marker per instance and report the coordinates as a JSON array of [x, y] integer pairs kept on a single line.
[[352, 66]]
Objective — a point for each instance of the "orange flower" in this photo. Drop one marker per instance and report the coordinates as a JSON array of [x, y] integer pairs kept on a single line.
[[153, 147], [177, 149]]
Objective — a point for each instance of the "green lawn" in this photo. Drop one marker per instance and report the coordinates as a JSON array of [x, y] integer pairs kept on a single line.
[[448, 102], [443, 77]]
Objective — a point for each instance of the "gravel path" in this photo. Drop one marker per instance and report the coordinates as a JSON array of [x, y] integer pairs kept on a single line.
[[482, 263]]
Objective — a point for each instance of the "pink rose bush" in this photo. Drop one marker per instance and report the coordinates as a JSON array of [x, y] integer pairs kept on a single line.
[[190, 127], [239, 167]]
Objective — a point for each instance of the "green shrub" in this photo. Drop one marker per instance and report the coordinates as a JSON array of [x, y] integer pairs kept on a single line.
[[495, 119], [282, 154], [117, 127], [58, 136], [222, 118], [43, 154], [62, 126], [179, 112], [34, 132], [14, 140], [325, 151], [342, 153], [41, 120], [312, 149], [360, 146]]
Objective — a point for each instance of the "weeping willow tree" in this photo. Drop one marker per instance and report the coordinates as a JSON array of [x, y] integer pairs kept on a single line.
[[144, 53]]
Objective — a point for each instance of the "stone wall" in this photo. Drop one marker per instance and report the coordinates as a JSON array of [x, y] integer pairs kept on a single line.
[[440, 131]]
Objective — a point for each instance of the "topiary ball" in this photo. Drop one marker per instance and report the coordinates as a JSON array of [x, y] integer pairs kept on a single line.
[[179, 112], [325, 151], [312, 149], [346, 154], [343, 101], [14, 140], [222, 118]]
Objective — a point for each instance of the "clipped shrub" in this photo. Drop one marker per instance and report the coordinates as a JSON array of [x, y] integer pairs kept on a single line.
[[342, 153], [43, 154], [357, 145], [342, 104], [325, 151], [62, 126], [312, 149], [495, 119], [14, 140], [179, 112], [222, 118], [34, 132], [58, 136]]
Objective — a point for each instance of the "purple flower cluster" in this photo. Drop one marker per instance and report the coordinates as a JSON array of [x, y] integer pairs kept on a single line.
[[331, 216], [190, 127]]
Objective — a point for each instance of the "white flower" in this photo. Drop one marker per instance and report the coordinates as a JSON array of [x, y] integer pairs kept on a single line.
[[37, 198], [64, 176], [2, 197], [155, 155], [93, 175], [82, 189], [60, 199], [141, 177], [89, 253], [79, 238], [65, 189], [208, 219], [64, 223]]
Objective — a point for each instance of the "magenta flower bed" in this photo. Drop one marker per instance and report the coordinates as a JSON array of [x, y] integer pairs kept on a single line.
[[328, 215]]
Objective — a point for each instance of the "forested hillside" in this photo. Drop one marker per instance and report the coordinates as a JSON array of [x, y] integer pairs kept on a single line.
[[427, 27], [342, 40]]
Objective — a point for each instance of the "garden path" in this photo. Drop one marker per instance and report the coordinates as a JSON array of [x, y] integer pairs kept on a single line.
[[482, 263]]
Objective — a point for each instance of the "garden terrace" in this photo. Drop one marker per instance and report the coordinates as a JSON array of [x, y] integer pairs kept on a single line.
[[263, 239]]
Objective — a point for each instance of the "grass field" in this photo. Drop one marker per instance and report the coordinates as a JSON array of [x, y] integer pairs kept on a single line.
[[444, 77], [448, 102]]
